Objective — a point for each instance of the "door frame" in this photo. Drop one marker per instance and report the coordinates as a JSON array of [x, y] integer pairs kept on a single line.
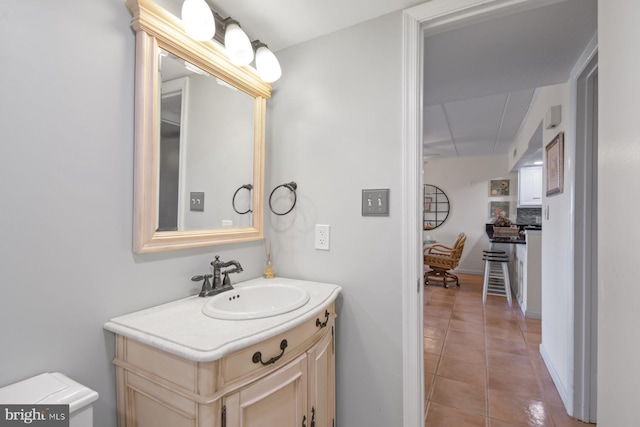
[[586, 237], [416, 21]]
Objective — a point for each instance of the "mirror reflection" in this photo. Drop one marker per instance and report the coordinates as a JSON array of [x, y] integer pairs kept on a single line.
[[436, 207], [205, 149]]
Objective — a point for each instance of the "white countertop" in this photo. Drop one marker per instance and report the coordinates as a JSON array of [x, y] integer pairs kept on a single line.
[[180, 327]]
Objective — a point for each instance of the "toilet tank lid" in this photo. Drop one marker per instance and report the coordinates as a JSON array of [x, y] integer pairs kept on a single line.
[[50, 387]]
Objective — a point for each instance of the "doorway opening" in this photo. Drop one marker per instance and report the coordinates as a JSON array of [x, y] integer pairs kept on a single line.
[[432, 15]]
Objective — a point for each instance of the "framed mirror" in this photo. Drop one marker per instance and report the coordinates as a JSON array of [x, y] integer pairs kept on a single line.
[[199, 142], [436, 207]]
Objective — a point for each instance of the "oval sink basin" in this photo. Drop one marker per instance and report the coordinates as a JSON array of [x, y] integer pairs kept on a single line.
[[256, 301]]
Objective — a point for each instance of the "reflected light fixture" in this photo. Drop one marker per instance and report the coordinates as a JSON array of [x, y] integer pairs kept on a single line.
[[198, 20], [267, 64], [237, 44]]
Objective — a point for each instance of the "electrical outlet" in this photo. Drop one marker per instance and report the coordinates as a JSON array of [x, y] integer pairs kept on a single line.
[[323, 237]]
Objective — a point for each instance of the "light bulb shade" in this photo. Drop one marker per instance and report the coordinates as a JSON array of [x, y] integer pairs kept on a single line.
[[237, 44], [267, 65], [198, 21]]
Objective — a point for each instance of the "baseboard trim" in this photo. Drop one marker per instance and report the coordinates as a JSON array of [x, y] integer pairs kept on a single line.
[[476, 272], [564, 395]]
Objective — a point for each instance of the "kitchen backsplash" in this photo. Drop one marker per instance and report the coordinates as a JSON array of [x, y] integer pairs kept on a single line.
[[529, 216]]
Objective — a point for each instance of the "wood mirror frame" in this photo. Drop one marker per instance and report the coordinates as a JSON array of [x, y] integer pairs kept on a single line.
[[158, 29]]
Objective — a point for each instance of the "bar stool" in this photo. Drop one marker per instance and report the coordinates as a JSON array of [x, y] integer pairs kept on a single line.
[[496, 275], [492, 253]]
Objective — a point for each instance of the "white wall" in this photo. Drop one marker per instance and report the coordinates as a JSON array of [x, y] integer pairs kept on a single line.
[[466, 181], [334, 128], [557, 240], [619, 173], [66, 182], [544, 98]]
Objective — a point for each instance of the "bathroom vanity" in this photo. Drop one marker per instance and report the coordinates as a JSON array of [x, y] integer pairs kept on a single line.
[[176, 366]]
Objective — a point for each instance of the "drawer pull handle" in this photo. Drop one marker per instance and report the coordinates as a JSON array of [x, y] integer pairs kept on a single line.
[[304, 421], [326, 320], [257, 356], [313, 416]]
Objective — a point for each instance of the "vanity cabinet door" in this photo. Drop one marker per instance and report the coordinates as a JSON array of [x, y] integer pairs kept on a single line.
[[279, 399], [321, 359]]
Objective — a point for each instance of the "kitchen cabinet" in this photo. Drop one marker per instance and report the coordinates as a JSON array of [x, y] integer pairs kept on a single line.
[[530, 186], [526, 274]]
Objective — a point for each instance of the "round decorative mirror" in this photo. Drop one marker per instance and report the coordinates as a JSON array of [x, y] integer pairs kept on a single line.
[[436, 207]]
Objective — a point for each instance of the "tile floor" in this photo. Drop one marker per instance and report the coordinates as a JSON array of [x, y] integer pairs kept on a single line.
[[482, 364]]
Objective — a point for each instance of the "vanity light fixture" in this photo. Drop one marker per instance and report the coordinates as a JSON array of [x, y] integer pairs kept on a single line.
[[198, 20], [266, 63], [237, 44], [200, 23]]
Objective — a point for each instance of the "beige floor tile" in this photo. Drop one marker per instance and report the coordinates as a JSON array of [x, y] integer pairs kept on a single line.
[[497, 423], [439, 322], [431, 363], [473, 328], [468, 398], [507, 346], [520, 383], [444, 416], [428, 384], [506, 406], [513, 334], [467, 317], [434, 332], [446, 305], [483, 365], [510, 362], [464, 352], [433, 346], [468, 308], [474, 341], [459, 370], [444, 313]]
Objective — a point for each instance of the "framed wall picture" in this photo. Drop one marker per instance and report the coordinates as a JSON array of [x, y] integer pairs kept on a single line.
[[499, 187], [496, 207], [554, 159]]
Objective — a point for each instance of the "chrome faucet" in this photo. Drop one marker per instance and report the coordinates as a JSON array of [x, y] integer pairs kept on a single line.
[[219, 284]]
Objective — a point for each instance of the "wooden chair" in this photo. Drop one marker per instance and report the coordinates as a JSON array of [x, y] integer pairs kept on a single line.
[[441, 259]]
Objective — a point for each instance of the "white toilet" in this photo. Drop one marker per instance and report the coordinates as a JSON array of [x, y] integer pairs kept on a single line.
[[53, 388]]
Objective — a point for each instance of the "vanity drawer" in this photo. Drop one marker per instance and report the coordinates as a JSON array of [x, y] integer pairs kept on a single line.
[[276, 351]]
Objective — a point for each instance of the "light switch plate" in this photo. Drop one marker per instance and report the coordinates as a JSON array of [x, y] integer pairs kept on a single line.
[[196, 201], [375, 202]]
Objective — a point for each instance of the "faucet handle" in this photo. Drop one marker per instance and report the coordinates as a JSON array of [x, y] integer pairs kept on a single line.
[[206, 286]]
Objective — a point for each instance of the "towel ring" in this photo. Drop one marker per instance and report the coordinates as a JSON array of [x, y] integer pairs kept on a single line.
[[292, 186], [233, 201]]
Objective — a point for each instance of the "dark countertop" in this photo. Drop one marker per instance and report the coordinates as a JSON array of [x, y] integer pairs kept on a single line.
[[520, 240]]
